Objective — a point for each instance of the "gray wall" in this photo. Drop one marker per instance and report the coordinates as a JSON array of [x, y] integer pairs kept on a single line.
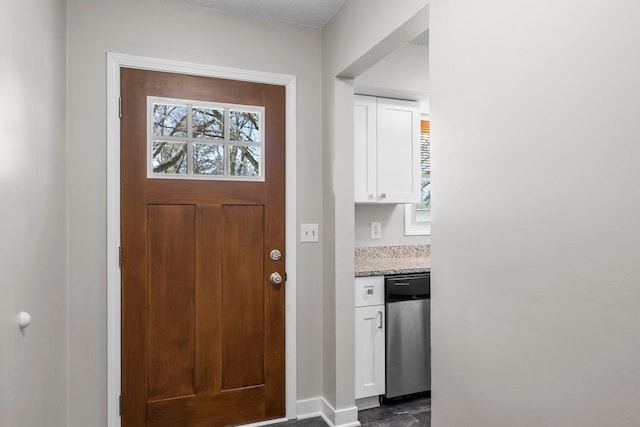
[[33, 364], [357, 37], [536, 289], [189, 34]]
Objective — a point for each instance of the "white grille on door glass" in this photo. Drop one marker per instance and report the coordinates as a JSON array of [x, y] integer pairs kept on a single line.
[[204, 140]]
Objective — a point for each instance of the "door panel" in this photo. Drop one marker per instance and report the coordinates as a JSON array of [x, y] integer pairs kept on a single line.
[[202, 326], [242, 292], [171, 301]]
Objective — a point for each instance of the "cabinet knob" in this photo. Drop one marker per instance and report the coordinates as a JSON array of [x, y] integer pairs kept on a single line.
[[370, 196], [383, 195]]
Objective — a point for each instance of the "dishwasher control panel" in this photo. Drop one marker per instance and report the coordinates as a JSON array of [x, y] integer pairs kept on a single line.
[[407, 287]]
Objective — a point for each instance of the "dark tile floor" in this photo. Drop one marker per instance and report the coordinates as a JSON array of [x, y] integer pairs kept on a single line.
[[414, 412], [309, 422]]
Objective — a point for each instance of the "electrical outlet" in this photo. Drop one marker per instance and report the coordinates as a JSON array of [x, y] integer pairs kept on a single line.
[[376, 230], [309, 232]]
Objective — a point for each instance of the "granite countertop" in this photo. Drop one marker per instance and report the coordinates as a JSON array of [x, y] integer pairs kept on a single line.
[[383, 260]]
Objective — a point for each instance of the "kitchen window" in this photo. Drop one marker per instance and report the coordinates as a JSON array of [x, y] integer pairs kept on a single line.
[[417, 217]]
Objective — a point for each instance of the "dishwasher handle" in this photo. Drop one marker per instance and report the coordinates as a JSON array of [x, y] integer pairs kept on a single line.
[[401, 283]]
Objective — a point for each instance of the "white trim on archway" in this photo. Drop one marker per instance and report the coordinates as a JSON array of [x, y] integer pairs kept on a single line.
[[115, 61]]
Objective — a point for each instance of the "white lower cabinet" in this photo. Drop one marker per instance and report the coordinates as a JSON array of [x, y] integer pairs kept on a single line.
[[369, 337]]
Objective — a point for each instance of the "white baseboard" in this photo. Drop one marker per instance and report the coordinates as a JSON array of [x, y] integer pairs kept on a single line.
[[319, 407], [308, 408]]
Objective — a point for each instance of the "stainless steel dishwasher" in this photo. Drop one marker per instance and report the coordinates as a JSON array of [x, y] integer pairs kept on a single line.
[[408, 337]]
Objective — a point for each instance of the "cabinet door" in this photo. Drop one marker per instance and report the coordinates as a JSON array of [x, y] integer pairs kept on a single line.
[[369, 351], [364, 142], [398, 151]]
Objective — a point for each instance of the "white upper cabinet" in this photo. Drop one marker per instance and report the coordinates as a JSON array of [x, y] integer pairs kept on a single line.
[[386, 150], [365, 156]]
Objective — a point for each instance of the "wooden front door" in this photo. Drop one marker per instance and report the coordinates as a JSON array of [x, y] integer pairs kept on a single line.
[[202, 207]]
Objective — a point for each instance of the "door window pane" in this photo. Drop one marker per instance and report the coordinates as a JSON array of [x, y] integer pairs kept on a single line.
[[208, 159], [245, 126], [208, 122], [245, 161], [169, 120], [169, 157]]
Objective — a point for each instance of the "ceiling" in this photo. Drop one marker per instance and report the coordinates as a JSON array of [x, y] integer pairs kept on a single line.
[[310, 13]]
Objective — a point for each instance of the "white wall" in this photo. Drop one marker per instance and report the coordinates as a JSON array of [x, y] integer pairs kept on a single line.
[[358, 36], [403, 74], [178, 32], [33, 364], [392, 219], [536, 289]]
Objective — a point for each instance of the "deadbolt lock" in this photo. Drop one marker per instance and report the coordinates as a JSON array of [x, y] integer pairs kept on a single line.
[[275, 255]]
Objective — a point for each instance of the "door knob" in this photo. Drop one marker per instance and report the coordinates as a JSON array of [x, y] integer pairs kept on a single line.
[[275, 279], [24, 319]]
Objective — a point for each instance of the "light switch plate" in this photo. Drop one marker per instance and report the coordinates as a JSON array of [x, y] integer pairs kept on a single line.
[[308, 233], [376, 230]]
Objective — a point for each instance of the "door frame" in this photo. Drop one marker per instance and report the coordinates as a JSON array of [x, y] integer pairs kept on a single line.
[[115, 61]]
